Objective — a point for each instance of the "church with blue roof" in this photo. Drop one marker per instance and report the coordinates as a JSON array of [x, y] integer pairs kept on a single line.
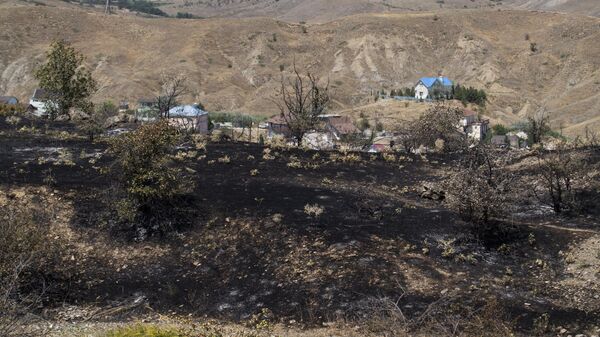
[[433, 87]]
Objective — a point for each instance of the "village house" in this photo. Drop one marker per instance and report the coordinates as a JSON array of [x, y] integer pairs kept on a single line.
[[472, 126], [147, 109], [382, 144], [433, 87], [189, 117], [340, 127], [8, 100], [277, 125], [512, 140], [499, 141], [318, 141], [38, 102]]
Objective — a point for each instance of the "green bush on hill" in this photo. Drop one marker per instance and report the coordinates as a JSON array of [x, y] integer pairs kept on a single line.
[[469, 95]]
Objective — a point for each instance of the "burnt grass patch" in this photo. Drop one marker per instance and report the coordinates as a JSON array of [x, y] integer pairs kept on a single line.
[[248, 243]]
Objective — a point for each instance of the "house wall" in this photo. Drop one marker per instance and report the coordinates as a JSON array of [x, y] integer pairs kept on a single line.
[[467, 120], [278, 129], [198, 124], [421, 91], [40, 107]]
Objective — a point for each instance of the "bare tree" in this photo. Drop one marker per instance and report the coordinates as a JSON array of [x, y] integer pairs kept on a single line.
[[539, 125], [558, 171], [301, 100], [480, 187], [172, 88]]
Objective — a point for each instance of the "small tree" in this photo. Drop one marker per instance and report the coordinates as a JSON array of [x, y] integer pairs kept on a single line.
[[148, 175], [172, 88], [92, 124], [439, 122], [301, 100], [480, 187], [557, 172], [67, 82], [25, 253], [538, 126]]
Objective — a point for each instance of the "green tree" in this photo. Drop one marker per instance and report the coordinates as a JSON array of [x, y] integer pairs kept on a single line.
[[67, 82], [149, 176], [538, 126], [500, 129]]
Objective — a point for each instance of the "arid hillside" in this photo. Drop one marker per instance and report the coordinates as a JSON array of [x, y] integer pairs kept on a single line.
[[236, 64], [326, 10]]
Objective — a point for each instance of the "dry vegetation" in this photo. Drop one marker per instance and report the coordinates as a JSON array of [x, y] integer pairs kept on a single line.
[[236, 65], [278, 241]]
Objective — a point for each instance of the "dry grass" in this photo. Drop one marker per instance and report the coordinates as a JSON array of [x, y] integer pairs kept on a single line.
[[478, 47]]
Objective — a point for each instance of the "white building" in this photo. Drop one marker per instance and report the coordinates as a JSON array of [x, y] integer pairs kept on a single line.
[[189, 117], [39, 102], [472, 126], [433, 87]]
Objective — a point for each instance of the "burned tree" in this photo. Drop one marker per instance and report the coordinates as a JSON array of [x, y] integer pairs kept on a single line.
[[301, 100], [558, 171], [439, 124], [480, 187], [172, 88], [538, 126]]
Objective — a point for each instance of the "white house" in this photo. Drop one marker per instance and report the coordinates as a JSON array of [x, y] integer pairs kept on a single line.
[[472, 126], [433, 87], [189, 117], [38, 102]]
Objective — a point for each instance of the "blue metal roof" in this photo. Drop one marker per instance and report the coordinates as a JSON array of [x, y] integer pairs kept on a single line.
[[429, 81], [186, 111]]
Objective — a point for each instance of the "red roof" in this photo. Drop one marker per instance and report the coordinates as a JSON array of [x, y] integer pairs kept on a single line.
[[467, 112], [343, 125]]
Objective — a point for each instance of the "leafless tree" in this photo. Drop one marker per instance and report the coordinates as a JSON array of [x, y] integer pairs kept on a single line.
[[558, 171], [480, 188], [301, 100], [539, 125], [172, 88]]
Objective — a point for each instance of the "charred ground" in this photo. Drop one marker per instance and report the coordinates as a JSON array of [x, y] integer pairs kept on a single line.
[[250, 244]]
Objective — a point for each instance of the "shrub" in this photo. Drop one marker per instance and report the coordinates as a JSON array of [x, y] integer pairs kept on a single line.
[[142, 6], [533, 47], [149, 178], [480, 188], [24, 251], [7, 110], [558, 173], [313, 210], [500, 129]]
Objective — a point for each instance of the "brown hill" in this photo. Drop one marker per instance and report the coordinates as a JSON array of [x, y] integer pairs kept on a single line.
[[235, 64], [326, 10]]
